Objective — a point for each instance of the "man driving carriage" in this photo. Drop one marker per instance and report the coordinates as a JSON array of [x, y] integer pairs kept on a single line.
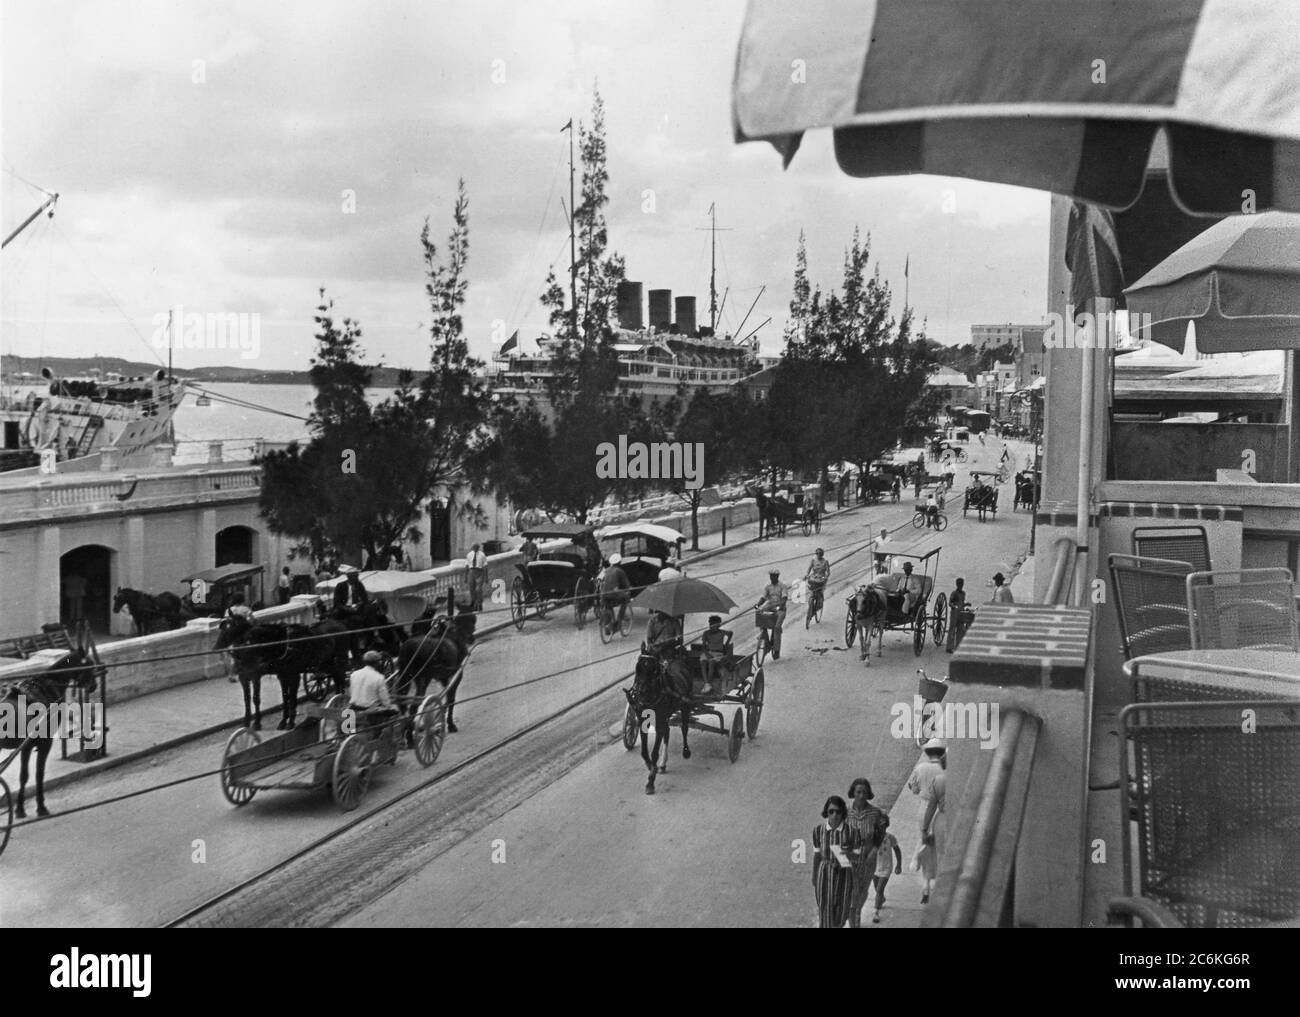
[[350, 594], [368, 693], [904, 595], [775, 595], [663, 635]]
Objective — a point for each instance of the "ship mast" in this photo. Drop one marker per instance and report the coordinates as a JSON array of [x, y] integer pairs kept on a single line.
[[47, 203], [713, 267], [573, 251]]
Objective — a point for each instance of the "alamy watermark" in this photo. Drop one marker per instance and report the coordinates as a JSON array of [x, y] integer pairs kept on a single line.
[[656, 460], [22, 718], [1086, 331], [921, 720], [210, 331]]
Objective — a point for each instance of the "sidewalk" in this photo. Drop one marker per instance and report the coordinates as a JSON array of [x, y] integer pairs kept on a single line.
[[148, 724]]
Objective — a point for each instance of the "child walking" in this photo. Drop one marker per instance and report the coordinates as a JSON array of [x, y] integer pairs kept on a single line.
[[889, 860]]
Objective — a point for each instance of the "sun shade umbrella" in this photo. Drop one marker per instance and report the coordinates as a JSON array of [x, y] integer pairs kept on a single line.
[[685, 596], [1239, 281], [1059, 95]]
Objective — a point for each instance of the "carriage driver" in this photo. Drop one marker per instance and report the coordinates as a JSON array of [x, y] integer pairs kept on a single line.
[[349, 595], [775, 595], [368, 692], [662, 635], [909, 588]]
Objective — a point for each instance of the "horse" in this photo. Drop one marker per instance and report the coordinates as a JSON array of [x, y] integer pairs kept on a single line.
[[47, 688], [146, 608], [866, 605], [436, 649], [370, 615], [261, 648], [662, 688], [762, 505]]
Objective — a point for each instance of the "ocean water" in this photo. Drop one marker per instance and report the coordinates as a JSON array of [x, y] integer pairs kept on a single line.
[[237, 427]]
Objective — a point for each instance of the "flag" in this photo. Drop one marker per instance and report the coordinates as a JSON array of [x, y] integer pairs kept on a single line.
[[568, 126], [511, 344], [906, 265]]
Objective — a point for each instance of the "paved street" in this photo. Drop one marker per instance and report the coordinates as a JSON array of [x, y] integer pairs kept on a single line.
[[730, 827]]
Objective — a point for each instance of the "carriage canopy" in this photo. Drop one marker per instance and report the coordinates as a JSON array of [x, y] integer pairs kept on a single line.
[[557, 531]]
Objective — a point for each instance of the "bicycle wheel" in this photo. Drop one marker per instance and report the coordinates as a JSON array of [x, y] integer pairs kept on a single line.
[[918, 520], [941, 522], [762, 647], [606, 623]]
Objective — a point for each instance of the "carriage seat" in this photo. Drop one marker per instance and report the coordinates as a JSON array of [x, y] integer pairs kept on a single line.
[[895, 582]]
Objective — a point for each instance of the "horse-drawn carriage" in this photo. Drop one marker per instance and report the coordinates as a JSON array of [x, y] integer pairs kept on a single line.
[[645, 548], [944, 451], [556, 577], [1028, 485], [879, 483], [982, 495], [212, 589], [876, 609], [334, 747]]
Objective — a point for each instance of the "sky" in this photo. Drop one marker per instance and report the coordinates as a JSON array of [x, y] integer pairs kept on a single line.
[[204, 154]]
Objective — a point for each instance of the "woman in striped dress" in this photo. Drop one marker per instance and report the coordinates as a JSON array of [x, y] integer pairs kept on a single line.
[[832, 882], [869, 822]]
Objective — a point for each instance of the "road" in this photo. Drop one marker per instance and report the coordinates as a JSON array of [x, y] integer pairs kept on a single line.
[[147, 859]]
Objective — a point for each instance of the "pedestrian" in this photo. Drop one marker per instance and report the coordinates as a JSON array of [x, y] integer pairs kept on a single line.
[[919, 478], [929, 781], [866, 819], [882, 558], [1001, 592], [529, 550], [959, 616], [889, 859], [476, 566], [833, 878], [74, 591], [284, 585]]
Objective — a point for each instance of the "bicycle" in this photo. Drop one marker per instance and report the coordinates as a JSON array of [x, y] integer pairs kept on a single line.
[[921, 520], [609, 623], [931, 692], [767, 621], [816, 601]]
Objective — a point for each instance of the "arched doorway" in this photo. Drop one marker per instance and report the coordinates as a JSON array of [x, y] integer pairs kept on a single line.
[[86, 587], [235, 546]]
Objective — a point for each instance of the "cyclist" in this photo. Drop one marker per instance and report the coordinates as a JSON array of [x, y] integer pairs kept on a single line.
[[931, 511], [817, 576], [775, 595], [615, 588]]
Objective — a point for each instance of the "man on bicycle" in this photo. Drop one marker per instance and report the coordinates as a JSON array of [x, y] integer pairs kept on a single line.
[[817, 576], [931, 511], [615, 588], [775, 594]]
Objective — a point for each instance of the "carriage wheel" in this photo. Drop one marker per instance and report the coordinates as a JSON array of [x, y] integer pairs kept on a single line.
[[329, 725], [236, 792], [430, 729], [941, 521], [579, 603], [918, 520], [518, 603], [351, 774], [543, 605], [850, 628], [317, 684], [939, 622], [6, 815], [918, 633], [754, 705], [737, 736], [631, 728]]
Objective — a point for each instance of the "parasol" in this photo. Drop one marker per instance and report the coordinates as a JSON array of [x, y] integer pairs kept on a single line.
[[685, 596]]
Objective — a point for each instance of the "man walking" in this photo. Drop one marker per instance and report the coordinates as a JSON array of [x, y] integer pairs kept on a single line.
[[1001, 593], [476, 565]]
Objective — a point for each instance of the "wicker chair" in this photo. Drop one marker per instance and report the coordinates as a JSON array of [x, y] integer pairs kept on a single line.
[[1243, 609], [1174, 543], [1217, 811], [1151, 602]]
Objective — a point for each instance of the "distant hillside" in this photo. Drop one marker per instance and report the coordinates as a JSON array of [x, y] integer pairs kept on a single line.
[[382, 377]]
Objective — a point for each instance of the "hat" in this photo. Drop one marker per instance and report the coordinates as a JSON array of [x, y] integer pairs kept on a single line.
[[935, 745], [998, 577], [774, 572], [907, 566], [615, 559], [372, 657], [347, 570]]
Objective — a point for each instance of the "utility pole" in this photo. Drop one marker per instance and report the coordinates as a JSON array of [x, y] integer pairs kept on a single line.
[[573, 249], [713, 268]]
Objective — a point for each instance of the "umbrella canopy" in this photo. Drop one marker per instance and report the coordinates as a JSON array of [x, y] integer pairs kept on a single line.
[[1239, 281], [1056, 95], [685, 596], [664, 533]]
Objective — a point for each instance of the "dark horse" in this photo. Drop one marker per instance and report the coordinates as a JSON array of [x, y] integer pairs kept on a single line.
[[76, 670], [866, 605], [260, 648], [372, 614], [770, 520], [661, 688], [146, 609], [436, 650]]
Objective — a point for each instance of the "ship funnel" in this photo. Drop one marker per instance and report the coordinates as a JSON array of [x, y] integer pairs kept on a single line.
[[686, 315], [629, 306], [661, 309]]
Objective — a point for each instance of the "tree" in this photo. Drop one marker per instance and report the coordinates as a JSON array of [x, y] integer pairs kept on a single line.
[[362, 481], [583, 404], [725, 426]]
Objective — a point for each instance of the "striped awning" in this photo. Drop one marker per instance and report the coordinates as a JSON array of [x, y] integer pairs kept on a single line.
[[1060, 95]]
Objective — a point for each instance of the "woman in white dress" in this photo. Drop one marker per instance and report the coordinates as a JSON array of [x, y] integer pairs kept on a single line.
[[930, 782]]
